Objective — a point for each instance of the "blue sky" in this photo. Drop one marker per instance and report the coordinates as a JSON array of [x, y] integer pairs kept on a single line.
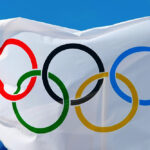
[[77, 14]]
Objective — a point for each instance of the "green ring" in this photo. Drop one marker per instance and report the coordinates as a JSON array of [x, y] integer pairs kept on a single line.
[[65, 109]]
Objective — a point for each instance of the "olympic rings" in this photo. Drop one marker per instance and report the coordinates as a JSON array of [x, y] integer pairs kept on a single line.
[[118, 125], [65, 109], [113, 72], [60, 49], [34, 66], [78, 100]]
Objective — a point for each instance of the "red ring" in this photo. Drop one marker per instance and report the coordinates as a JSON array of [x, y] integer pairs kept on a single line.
[[34, 66]]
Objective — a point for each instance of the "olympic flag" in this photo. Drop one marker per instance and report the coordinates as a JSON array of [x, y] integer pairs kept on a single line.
[[64, 89]]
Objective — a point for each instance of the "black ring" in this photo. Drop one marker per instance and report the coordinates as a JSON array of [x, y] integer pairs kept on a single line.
[[60, 49]]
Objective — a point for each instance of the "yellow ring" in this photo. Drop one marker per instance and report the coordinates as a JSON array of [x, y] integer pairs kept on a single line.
[[135, 103]]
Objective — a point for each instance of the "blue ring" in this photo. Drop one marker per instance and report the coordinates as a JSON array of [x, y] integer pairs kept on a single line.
[[113, 74]]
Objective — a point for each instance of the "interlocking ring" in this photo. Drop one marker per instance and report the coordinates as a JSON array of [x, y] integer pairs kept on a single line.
[[113, 74], [65, 108], [34, 66], [66, 47], [119, 125]]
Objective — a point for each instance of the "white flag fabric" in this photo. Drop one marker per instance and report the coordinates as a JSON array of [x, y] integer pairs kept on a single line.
[[64, 89]]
